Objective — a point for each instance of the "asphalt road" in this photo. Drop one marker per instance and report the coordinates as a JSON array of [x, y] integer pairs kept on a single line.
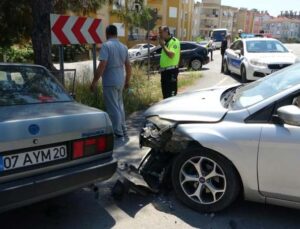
[[81, 209]]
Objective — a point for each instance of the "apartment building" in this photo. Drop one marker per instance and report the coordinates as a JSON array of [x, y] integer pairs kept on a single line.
[[283, 28], [214, 15], [227, 18], [210, 16], [196, 20], [258, 20], [177, 14]]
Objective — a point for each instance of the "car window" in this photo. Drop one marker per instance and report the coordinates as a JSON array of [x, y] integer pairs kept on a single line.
[[21, 85], [267, 87], [187, 46], [265, 46], [157, 51]]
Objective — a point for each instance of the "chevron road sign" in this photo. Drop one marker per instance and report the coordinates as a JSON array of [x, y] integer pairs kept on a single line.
[[67, 30]]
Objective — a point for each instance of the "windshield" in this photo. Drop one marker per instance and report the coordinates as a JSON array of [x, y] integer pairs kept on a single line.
[[137, 47], [21, 85], [265, 46], [219, 35], [266, 87]]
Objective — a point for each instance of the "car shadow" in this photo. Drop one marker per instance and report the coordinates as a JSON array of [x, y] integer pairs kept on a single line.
[[75, 210], [241, 214]]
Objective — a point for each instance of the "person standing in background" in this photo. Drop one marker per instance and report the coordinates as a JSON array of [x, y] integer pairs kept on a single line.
[[210, 48], [225, 45], [169, 62], [113, 57]]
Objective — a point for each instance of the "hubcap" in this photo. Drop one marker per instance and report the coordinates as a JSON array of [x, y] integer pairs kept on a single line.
[[202, 180], [196, 64]]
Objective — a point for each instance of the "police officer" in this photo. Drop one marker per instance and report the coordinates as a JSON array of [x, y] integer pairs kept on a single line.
[[169, 61], [239, 36]]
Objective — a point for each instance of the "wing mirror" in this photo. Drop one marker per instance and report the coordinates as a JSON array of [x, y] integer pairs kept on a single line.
[[289, 114], [238, 52]]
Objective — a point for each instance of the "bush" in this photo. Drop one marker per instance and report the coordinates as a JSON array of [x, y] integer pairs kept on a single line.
[[18, 54], [142, 93]]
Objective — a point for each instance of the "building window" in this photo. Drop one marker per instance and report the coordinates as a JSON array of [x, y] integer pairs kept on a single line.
[[173, 12]]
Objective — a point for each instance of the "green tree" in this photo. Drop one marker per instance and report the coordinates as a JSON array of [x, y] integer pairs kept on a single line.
[[24, 19]]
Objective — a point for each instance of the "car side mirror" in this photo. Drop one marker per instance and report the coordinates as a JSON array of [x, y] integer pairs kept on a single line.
[[289, 114], [238, 52]]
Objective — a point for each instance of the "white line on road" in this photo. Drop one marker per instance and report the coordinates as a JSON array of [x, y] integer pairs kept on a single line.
[[221, 82]]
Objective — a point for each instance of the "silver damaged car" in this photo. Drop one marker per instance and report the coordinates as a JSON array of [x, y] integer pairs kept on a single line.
[[49, 144], [212, 145]]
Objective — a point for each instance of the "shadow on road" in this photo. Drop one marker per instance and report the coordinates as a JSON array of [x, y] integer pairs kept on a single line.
[[75, 210]]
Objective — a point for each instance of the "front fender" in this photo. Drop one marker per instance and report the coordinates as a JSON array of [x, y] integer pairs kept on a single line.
[[238, 142]]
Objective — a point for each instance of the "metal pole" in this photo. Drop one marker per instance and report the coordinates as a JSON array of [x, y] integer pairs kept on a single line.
[[94, 59], [61, 63], [148, 39]]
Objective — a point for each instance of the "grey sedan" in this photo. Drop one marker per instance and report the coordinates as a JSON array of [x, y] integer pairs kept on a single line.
[[218, 143], [49, 144]]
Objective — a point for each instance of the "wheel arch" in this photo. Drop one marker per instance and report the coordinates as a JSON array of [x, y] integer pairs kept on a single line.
[[214, 141]]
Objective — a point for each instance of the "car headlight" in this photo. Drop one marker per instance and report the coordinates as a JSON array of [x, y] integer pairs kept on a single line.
[[258, 63], [155, 126]]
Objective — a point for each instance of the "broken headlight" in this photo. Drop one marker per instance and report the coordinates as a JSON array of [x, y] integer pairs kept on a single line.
[[155, 126]]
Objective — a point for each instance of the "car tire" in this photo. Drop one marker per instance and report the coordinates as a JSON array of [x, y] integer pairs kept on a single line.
[[138, 54], [243, 74], [226, 69], [220, 182], [196, 64]]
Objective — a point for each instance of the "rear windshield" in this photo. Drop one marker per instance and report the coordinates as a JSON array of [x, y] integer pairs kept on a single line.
[[21, 85]]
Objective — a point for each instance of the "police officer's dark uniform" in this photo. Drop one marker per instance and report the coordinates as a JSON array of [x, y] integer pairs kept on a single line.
[[169, 68]]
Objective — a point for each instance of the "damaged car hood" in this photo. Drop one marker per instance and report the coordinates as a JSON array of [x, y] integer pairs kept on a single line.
[[198, 106]]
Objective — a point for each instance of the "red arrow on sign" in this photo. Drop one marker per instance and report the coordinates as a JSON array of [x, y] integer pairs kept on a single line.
[[57, 29], [77, 29], [93, 30]]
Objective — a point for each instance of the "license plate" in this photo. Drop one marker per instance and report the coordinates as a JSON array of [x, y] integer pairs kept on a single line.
[[35, 157]]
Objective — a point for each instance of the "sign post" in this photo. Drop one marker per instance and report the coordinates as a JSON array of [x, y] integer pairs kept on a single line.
[[67, 30]]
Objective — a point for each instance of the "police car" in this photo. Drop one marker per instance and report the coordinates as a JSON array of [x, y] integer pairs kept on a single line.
[[254, 58]]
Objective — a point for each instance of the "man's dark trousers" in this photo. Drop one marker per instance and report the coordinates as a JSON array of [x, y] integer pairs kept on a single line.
[[169, 82]]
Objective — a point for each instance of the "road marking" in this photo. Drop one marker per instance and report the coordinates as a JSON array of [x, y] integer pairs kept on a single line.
[[221, 82]]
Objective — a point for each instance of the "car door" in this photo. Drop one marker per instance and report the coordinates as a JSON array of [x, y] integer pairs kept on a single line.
[[186, 54], [235, 60], [279, 159], [145, 49]]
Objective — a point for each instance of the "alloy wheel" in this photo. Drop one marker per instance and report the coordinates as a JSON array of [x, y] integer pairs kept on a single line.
[[202, 180]]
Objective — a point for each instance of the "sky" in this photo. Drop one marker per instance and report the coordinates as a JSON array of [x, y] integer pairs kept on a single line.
[[272, 6]]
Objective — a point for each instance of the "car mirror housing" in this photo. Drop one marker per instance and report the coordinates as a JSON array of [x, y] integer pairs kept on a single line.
[[238, 52], [290, 114]]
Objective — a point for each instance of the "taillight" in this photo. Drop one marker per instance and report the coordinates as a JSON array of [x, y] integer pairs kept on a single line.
[[92, 146]]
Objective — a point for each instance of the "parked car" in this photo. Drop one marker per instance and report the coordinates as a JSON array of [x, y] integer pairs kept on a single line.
[[217, 143], [254, 58], [139, 49], [192, 56], [49, 144]]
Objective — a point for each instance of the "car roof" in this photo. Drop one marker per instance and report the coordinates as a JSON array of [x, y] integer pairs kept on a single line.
[[259, 39], [21, 65]]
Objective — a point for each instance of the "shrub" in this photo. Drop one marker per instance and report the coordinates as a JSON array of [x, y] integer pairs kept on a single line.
[[142, 93]]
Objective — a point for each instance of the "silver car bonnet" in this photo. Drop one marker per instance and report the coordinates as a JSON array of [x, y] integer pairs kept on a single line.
[[56, 122], [198, 106]]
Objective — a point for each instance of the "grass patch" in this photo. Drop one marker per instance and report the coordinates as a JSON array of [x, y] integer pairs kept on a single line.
[[142, 93]]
